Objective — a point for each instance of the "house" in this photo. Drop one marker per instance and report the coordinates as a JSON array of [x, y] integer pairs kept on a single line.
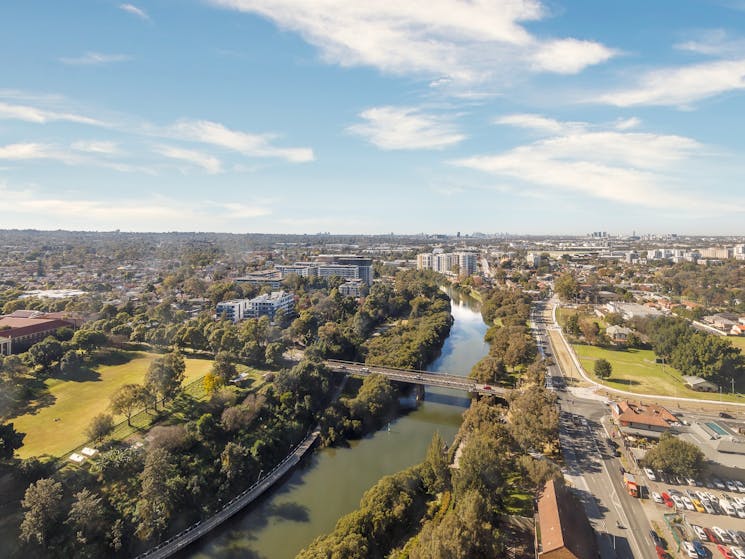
[[618, 334], [562, 528], [643, 418], [699, 384]]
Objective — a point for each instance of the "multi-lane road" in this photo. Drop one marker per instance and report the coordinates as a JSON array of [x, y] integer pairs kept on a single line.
[[591, 467]]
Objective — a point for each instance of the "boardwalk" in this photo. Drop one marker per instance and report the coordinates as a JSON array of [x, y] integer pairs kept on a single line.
[[199, 529], [424, 378]]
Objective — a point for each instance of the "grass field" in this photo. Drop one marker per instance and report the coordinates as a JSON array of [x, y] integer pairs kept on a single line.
[[738, 341], [57, 428], [635, 370]]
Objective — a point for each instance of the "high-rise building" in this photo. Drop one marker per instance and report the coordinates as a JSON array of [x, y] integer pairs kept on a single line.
[[466, 263]]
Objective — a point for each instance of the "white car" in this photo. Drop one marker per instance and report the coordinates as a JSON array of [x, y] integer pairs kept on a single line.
[[691, 481], [656, 497], [727, 507], [707, 506], [717, 483], [688, 504], [740, 511], [700, 534], [737, 552], [650, 474], [731, 485], [690, 550], [740, 486], [721, 534], [678, 502]]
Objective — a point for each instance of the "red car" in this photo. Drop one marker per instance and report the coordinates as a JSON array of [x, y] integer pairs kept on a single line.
[[668, 501], [726, 553], [711, 535]]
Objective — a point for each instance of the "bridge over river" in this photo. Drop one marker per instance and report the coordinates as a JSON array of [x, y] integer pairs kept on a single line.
[[413, 376]]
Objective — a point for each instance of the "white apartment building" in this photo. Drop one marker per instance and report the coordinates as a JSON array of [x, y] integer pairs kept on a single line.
[[425, 261], [269, 304], [234, 310]]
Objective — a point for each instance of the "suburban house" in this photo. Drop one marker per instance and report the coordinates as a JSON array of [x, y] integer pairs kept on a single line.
[[618, 334], [562, 528], [729, 323], [699, 384], [642, 418]]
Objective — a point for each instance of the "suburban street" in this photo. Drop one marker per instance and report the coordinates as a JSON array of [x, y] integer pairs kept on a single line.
[[591, 468]]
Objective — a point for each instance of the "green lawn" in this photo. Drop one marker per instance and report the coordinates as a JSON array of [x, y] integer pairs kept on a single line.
[[738, 341], [77, 400], [635, 370]]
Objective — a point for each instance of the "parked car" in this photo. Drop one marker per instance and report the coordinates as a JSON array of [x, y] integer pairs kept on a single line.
[[722, 534], [711, 535], [689, 550], [731, 486], [656, 539], [650, 474], [700, 533], [700, 549], [657, 498], [726, 553], [718, 483], [737, 552], [740, 486]]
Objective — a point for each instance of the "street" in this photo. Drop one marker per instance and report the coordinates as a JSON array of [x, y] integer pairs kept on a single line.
[[591, 468]]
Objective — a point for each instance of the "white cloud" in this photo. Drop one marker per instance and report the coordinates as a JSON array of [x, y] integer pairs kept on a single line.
[[471, 43], [16, 152], [34, 208], [627, 123], [713, 42], [41, 116], [95, 59], [134, 10], [536, 122], [681, 86], [207, 162], [570, 56], [50, 152], [640, 169], [252, 145], [394, 128], [99, 147]]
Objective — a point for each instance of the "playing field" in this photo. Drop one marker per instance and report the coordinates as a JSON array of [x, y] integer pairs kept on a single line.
[[635, 370], [60, 427]]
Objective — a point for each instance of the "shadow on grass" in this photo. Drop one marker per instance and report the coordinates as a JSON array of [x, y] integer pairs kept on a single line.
[[82, 374], [113, 357], [623, 381]]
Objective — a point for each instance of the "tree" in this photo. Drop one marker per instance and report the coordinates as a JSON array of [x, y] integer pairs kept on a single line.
[[127, 399], [165, 375], [213, 382], [488, 370], [86, 517], [676, 456], [100, 426], [224, 367], [572, 325], [436, 470], [70, 362], [12, 366], [590, 330], [89, 340], [273, 354], [603, 369], [234, 461], [10, 441], [534, 418], [566, 287], [43, 505], [160, 486], [46, 352]]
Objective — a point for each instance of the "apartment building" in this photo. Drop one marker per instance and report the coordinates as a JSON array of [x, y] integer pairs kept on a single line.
[[234, 310], [269, 304]]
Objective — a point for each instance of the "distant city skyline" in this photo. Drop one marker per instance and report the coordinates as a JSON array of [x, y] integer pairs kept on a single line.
[[264, 116]]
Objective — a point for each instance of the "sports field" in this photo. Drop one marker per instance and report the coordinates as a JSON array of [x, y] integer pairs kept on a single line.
[[59, 427], [635, 370]]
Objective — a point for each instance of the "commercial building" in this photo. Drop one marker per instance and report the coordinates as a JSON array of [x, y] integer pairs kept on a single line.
[[22, 329], [344, 266], [643, 418], [562, 528], [352, 288]]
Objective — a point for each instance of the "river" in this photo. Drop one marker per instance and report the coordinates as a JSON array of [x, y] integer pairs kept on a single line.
[[331, 482]]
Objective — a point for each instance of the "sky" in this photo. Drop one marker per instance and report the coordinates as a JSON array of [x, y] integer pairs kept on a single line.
[[414, 116]]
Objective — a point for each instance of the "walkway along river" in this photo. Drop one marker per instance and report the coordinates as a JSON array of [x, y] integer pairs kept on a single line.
[[330, 484]]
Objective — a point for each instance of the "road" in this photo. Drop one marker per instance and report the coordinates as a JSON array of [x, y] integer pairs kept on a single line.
[[618, 518]]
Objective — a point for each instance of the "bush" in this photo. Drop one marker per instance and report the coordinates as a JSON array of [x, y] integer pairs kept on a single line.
[[100, 426]]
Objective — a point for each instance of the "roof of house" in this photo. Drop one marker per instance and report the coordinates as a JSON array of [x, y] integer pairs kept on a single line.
[[694, 380], [644, 415], [563, 523], [615, 330]]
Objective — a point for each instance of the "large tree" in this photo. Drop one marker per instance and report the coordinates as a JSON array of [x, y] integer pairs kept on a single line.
[[86, 517], [160, 487], [165, 375], [43, 505], [676, 456], [10, 441], [127, 399], [46, 352], [566, 287], [603, 369]]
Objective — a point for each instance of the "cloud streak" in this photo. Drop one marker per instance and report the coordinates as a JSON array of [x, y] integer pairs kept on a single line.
[[95, 59], [134, 10], [206, 162], [405, 128]]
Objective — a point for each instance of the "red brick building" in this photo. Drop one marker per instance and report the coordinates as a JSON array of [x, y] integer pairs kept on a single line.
[[562, 528], [23, 329]]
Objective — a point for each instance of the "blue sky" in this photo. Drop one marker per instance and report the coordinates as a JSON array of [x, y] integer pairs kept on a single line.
[[302, 116]]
